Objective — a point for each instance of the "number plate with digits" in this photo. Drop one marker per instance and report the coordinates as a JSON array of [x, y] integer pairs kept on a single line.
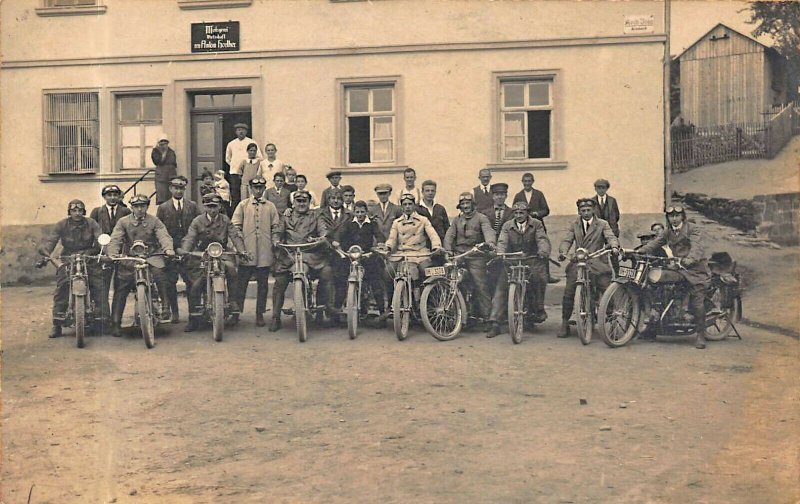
[[434, 271], [626, 272]]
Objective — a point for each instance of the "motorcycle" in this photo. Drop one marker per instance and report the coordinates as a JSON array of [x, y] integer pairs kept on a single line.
[[355, 279], [81, 307], [304, 288], [652, 298], [148, 302], [216, 305]]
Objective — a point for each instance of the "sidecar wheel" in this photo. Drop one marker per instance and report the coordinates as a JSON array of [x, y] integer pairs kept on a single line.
[[618, 315]]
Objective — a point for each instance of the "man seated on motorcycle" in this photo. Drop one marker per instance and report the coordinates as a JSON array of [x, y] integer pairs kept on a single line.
[[471, 228], [209, 227], [410, 234], [302, 226], [366, 233], [524, 234], [78, 235], [685, 240], [591, 233], [138, 226]]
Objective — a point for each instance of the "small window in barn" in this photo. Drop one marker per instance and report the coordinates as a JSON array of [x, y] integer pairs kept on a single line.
[[370, 124], [139, 124], [72, 131], [526, 108]]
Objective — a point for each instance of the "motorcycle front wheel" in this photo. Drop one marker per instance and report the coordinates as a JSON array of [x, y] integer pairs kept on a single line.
[[79, 308], [442, 320], [618, 315], [300, 310], [352, 308], [217, 315], [583, 313], [401, 310], [516, 312], [719, 323], [144, 310]]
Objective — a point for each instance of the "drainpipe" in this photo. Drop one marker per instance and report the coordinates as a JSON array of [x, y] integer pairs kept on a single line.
[[667, 100]]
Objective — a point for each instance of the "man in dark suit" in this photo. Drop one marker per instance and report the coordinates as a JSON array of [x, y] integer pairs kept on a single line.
[[333, 219], [537, 208], [107, 216], [606, 208], [433, 211], [499, 213], [591, 233], [365, 233], [384, 212], [177, 213], [482, 193]]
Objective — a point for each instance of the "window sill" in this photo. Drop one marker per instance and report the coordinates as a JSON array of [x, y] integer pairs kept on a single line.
[[79, 10], [132, 176], [370, 169], [212, 4], [511, 166]]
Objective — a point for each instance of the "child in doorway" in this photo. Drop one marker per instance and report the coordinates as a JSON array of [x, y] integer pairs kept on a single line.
[[223, 189]]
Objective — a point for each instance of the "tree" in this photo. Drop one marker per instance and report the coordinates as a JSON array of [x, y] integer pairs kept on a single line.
[[781, 21]]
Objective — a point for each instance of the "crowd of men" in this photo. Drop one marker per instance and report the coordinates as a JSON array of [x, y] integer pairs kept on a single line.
[[411, 223]]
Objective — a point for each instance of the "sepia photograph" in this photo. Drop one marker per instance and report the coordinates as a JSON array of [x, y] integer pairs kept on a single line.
[[399, 251]]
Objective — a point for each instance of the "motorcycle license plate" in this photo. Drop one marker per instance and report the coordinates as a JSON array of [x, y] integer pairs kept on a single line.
[[626, 272], [434, 271]]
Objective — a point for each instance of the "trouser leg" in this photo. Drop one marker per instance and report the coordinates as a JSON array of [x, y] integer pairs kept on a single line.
[[477, 270], [500, 299], [61, 296], [373, 275], [236, 189], [97, 288], [326, 286], [171, 279], [697, 303], [262, 277], [279, 292], [537, 286], [340, 269], [232, 283], [569, 291], [245, 273], [194, 295], [123, 284]]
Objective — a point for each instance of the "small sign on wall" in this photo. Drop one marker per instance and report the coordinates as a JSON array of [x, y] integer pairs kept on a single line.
[[215, 37], [639, 24]]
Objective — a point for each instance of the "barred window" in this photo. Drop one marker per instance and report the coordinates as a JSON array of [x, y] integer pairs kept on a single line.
[[72, 131], [370, 124], [139, 124], [526, 109]]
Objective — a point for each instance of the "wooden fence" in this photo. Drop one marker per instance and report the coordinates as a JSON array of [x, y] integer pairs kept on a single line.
[[696, 146]]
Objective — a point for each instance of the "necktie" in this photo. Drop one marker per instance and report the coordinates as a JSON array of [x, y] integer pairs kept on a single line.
[[585, 227], [335, 215], [180, 206], [485, 191], [521, 228], [113, 212], [498, 218]]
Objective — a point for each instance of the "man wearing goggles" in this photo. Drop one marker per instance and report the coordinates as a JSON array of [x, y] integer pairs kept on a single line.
[[78, 235], [685, 240], [411, 233]]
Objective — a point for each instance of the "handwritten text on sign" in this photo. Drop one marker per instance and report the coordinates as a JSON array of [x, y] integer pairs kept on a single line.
[[639, 24], [214, 37]]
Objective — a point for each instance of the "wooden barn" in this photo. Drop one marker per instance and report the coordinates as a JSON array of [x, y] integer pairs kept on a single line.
[[727, 77]]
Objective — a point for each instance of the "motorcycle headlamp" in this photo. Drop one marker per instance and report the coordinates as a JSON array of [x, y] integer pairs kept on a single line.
[[214, 250], [138, 249], [581, 255], [355, 252]]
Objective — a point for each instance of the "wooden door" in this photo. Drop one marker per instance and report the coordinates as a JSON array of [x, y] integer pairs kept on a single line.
[[208, 152]]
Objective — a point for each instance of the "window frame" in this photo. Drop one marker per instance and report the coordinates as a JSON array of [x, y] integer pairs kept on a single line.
[[344, 85], [116, 133], [47, 164], [47, 9]]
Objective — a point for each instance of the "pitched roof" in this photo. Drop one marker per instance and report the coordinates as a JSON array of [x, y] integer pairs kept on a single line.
[[701, 38]]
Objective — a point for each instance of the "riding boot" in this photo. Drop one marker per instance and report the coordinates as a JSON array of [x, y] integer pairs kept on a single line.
[[564, 331], [116, 329], [700, 340], [276, 324], [192, 325], [260, 320], [493, 331], [55, 332]]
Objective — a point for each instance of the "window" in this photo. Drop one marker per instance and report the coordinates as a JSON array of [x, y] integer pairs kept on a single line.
[[139, 124], [69, 3], [526, 116], [71, 132], [70, 8], [370, 124]]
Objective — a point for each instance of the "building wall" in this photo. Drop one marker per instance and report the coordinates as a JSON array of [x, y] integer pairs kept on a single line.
[[608, 101]]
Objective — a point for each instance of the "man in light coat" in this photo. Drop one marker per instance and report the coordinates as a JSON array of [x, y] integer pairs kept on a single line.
[[259, 222]]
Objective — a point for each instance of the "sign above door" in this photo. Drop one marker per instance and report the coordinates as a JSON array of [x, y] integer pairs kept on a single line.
[[215, 37]]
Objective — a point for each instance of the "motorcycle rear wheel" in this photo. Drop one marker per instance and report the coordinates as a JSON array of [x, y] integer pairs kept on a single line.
[[144, 310], [583, 313], [618, 315], [300, 310], [217, 315], [723, 323], [79, 307]]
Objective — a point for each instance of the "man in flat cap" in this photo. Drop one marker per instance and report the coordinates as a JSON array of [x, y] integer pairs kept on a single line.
[[470, 228], [335, 178], [482, 193], [411, 233], [333, 219], [606, 205], [235, 153], [384, 212], [107, 216], [591, 233], [177, 213], [499, 213]]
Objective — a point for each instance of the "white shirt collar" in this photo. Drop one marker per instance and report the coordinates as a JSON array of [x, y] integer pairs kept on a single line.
[[588, 223], [175, 202], [366, 220], [678, 227]]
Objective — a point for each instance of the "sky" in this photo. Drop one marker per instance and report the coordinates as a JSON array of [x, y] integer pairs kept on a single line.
[[691, 19]]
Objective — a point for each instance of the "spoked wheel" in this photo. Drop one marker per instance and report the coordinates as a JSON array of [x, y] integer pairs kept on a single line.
[[719, 322], [441, 312], [401, 308], [583, 313], [144, 310], [516, 312], [79, 306], [618, 315], [352, 308], [217, 315], [300, 310]]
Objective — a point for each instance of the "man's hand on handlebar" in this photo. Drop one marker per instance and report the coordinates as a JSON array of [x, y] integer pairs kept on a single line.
[[169, 253]]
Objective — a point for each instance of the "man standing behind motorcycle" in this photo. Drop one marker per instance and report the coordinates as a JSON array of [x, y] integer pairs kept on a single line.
[[259, 222], [138, 226], [591, 233], [78, 235], [209, 227], [686, 242]]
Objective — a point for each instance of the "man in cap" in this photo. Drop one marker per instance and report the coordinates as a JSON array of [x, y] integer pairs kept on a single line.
[[471, 228], [301, 226], [334, 217], [384, 212], [537, 207], [433, 211], [235, 153], [499, 213], [278, 194], [335, 178], [411, 233], [524, 234], [177, 213], [107, 216], [259, 222], [138, 226], [606, 205], [482, 193], [685, 240], [591, 233], [78, 235], [209, 227]]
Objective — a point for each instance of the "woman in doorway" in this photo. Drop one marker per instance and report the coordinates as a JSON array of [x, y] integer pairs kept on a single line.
[[166, 167]]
